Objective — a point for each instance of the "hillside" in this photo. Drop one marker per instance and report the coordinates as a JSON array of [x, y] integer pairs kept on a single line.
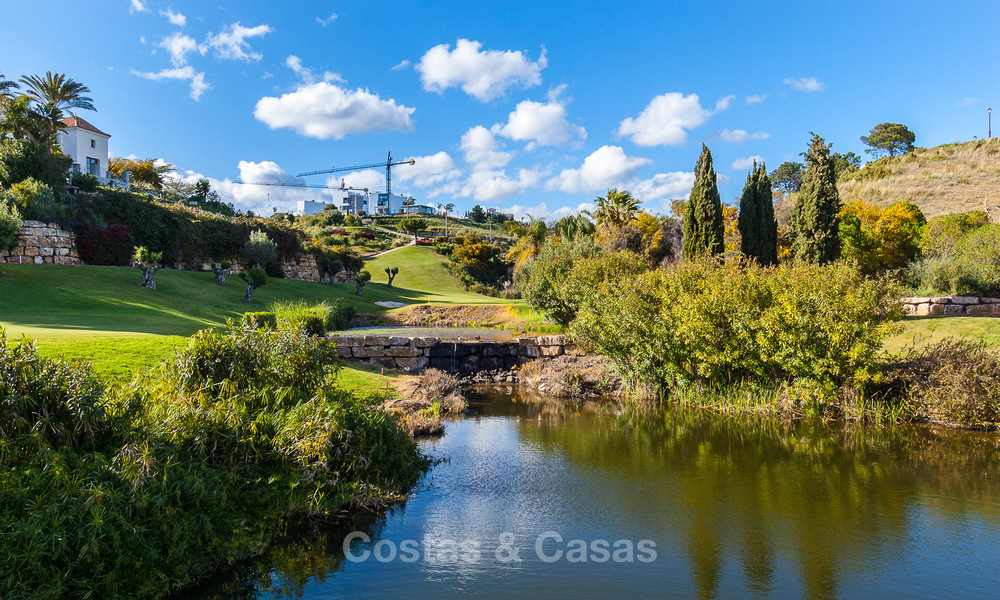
[[946, 179]]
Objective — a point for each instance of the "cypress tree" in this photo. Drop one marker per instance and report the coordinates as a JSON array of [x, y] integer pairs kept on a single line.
[[758, 229], [815, 222], [703, 232]]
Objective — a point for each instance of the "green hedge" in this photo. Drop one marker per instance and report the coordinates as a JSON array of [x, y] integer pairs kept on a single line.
[[184, 235]]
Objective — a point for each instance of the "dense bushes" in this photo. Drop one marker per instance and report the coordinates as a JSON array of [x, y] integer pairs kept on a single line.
[[111, 246], [965, 259], [703, 323], [953, 381], [10, 225], [138, 490], [184, 235]]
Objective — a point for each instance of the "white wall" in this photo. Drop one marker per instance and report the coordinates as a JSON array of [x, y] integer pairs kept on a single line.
[[75, 142]]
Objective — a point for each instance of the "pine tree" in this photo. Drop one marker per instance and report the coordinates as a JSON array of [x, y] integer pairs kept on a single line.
[[703, 230], [758, 229], [815, 222]]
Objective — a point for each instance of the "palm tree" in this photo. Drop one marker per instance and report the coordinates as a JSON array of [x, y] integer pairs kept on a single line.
[[447, 209], [54, 93], [58, 91], [6, 87], [529, 243], [616, 208], [573, 226]]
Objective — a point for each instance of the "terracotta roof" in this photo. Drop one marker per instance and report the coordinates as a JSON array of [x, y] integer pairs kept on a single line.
[[80, 122]]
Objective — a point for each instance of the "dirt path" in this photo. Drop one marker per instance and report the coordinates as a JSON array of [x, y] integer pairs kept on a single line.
[[369, 256]]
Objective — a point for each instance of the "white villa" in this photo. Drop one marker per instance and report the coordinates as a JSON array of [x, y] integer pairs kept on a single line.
[[88, 147]]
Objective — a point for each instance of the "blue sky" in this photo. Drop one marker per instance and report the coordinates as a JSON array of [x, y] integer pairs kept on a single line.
[[530, 107]]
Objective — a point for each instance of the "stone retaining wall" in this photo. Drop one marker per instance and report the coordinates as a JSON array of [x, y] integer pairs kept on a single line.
[[42, 244], [48, 244], [466, 356], [951, 306], [303, 268]]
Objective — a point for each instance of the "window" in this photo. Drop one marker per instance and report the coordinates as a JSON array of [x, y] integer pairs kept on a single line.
[[93, 143], [93, 167]]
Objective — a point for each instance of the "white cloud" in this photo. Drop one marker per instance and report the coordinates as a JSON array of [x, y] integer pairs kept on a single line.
[[667, 118], [606, 167], [328, 20], [483, 150], [428, 171], [186, 73], [542, 211], [231, 44], [175, 18], [485, 75], [967, 102], [178, 46], [324, 111], [739, 136], [493, 186], [403, 64], [137, 6], [806, 84], [544, 124], [369, 179], [664, 185], [295, 64], [757, 99], [745, 163]]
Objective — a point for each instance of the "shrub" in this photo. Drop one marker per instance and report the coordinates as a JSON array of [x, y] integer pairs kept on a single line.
[[10, 225], [880, 240], [34, 200], [84, 181], [111, 246], [940, 275], [978, 253], [141, 489], [704, 323], [314, 319], [259, 320], [943, 232], [954, 381]]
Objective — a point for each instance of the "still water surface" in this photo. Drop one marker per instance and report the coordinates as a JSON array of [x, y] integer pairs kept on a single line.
[[736, 509]]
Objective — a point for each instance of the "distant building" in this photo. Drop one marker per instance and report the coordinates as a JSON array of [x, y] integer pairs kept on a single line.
[[346, 201], [385, 204], [417, 209], [88, 147]]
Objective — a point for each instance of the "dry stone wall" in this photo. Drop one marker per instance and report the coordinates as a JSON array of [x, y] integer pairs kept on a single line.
[[42, 244], [951, 306], [418, 353]]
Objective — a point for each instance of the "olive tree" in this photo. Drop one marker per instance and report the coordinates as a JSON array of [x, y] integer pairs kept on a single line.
[[149, 263], [391, 272]]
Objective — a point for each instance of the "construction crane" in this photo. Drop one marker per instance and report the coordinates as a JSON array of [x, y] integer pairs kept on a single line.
[[388, 164]]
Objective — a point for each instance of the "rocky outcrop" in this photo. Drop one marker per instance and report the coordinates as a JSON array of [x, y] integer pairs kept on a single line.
[[413, 354], [951, 306], [42, 244]]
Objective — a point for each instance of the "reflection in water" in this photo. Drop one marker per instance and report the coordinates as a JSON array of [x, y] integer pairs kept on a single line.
[[741, 508]]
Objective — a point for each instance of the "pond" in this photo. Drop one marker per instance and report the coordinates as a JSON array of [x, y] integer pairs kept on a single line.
[[538, 500]]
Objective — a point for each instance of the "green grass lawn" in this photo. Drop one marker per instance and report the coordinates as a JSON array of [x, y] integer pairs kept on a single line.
[[48, 301], [920, 331], [100, 316]]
